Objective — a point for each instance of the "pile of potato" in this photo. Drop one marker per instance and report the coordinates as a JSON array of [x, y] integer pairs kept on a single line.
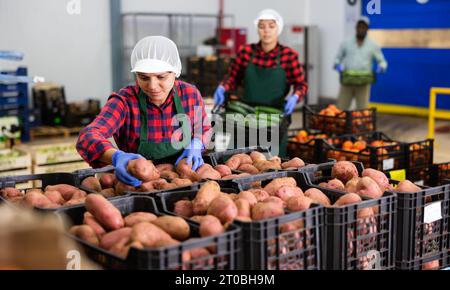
[[256, 162], [104, 226], [51, 197], [215, 210]]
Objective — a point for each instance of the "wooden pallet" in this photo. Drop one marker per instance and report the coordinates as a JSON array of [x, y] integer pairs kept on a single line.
[[53, 132]]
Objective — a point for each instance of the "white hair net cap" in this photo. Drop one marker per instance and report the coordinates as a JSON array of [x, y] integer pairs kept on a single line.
[[364, 19], [270, 14], [156, 54]]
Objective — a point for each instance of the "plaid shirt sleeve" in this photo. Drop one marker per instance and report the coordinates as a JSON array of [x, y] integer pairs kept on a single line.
[[294, 73], [92, 141], [237, 68]]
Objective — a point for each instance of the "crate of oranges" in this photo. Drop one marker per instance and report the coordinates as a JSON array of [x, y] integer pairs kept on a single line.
[[306, 144], [374, 150], [331, 120]]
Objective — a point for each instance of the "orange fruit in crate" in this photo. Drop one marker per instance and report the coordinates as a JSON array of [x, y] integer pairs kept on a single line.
[[347, 145], [377, 143], [360, 145]]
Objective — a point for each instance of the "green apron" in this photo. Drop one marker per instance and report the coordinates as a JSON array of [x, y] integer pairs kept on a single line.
[[163, 151], [267, 87]]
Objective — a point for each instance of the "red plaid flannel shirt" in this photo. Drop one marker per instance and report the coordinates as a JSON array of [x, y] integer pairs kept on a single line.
[[120, 118], [288, 59]]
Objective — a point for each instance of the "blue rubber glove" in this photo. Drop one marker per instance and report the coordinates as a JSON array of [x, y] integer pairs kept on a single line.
[[219, 96], [339, 68], [381, 70], [193, 154], [120, 161], [290, 104]]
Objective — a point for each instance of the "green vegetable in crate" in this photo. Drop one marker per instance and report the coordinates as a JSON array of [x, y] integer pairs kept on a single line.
[[267, 110], [233, 107], [244, 106], [357, 78]]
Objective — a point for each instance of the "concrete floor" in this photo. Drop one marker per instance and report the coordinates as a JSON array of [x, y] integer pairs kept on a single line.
[[407, 129]]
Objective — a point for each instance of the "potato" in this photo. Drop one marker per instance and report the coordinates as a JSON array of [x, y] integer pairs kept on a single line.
[[249, 168], [223, 170], [267, 165], [298, 203], [90, 220], [55, 197], [159, 183], [65, 190], [121, 188], [206, 194], [233, 196], [368, 187], [166, 243], [276, 200], [165, 167], [108, 192], [318, 196], [349, 198], [335, 184], [206, 171], [85, 233], [379, 177], [148, 234], [109, 239], [275, 184], [146, 187], [176, 227], [243, 207], [294, 225], [350, 186], [107, 180], [223, 208], [199, 254], [344, 171], [183, 208], [210, 226], [104, 212], [407, 186], [138, 217], [75, 201], [185, 171], [365, 213], [121, 248], [260, 194], [143, 169], [36, 199], [92, 183], [266, 210], [244, 219], [250, 197], [294, 163], [79, 194], [255, 155], [10, 192], [169, 175], [181, 182], [433, 265], [285, 192]]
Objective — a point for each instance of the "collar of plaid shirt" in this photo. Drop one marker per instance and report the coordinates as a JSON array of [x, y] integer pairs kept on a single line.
[[167, 102]]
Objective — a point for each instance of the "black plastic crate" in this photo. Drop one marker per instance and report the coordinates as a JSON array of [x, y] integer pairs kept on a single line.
[[347, 122], [419, 240], [352, 242], [419, 154], [41, 181], [227, 245], [309, 150], [265, 244], [439, 173]]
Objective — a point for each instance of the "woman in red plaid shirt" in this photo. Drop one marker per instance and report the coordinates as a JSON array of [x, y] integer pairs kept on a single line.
[[267, 70], [159, 118]]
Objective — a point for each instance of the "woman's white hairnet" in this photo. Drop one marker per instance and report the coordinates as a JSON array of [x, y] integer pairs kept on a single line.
[[270, 14], [155, 54]]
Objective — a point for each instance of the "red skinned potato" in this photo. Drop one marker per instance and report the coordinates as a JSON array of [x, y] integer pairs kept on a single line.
[[368, 187], [138, 217], [407, 186], [36, 199], [185, 171], [108, 192], [276, 200], [298, 203], [92, 183], [223, 170], [223, 208], [104, 212], [66, 190], [75, 201], [109, 239], [107, 180], [293, 163], [255, 155], [286, 192], [275, 184], [267, 165], [249, 196], [318, 196], [335, 184], [249, 168], [206, 171], [350, 186], [148, 234], [165, 167], [169, 175], [243, 207], [55, 197], [183, 208], [143, 169], [349, 198], [120, 188], [344, 171], [86, 233], [266, 210], [93, 223], [260, 194], [11, 192], [176, 227], [379, 177], [205, 195], [180, 182], [210, 226]]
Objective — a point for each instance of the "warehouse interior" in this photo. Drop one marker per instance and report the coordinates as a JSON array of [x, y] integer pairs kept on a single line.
[[298, 112]]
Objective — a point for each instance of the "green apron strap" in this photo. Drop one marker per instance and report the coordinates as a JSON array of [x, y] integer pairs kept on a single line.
[[143, 116]]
